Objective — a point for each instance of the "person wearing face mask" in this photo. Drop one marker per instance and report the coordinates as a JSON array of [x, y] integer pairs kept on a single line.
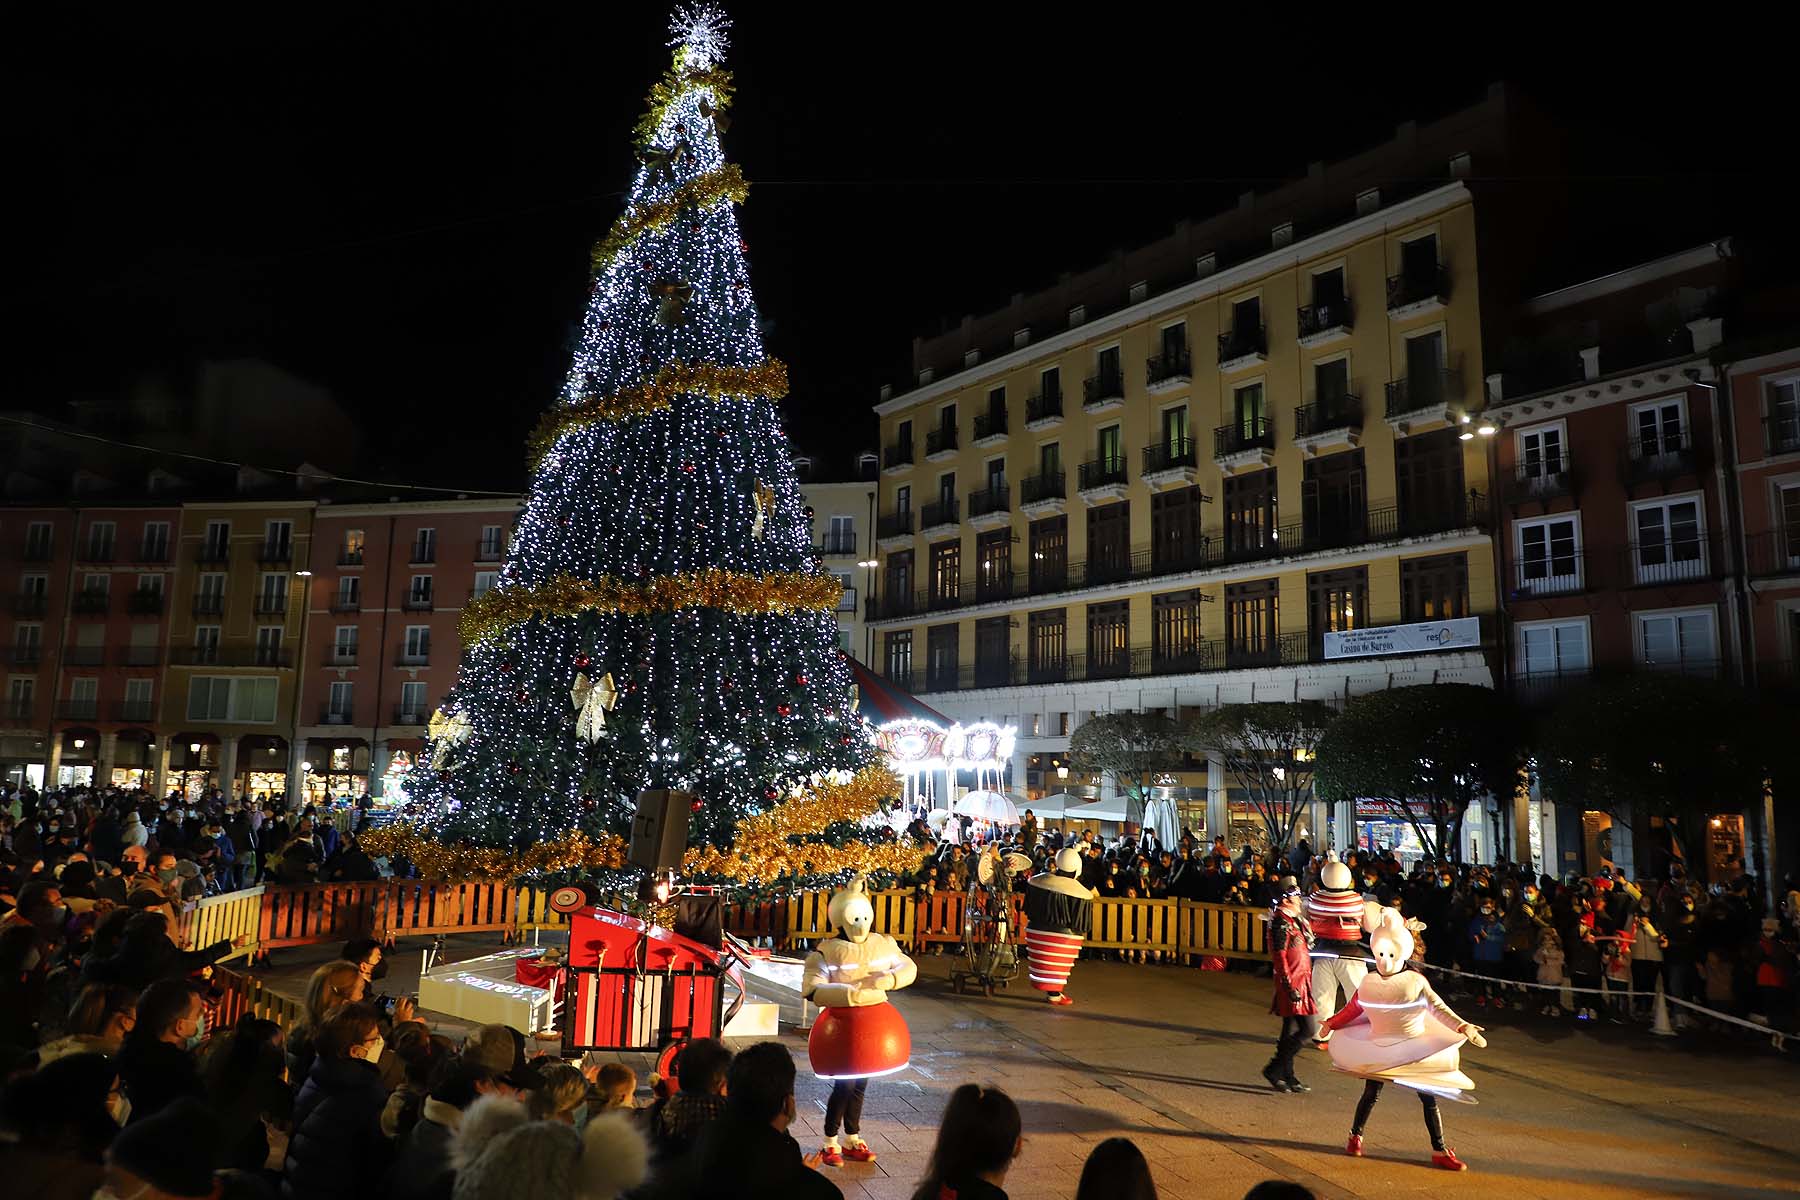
[[147, 954], [57, 1122], [1487, 939], [337, 1149], [157, 1061]]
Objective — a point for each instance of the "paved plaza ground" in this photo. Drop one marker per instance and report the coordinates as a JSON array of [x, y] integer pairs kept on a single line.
[[1170, 1056]]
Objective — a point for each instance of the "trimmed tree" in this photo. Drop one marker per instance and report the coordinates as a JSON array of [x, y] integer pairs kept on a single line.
[[1426, 752], [1271, 751], [1133, 747]]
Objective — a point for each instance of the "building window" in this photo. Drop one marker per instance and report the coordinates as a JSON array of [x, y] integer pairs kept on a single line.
[[413, 705], [1177, 448], [1668, 540], [1050, 387], [1425, 371], [1175, 641], [96, 585], [1109, 542], [1782, 434], [1548, 555], [344, 647], [493, 543], [150, 585], [1682, 641], [993, 652], [903, 500], [1334, 504], [37, 586], [155, 545], [138, 699], [1249, 415], [1174, 342], [21, 697], [1336, 602], [1175, 540], [342, 703], [1787, 525], [1658, 429], [1549, 650], [1109, 640], [418, 645], [1047, 643], [231, 699], [351, 553], [84, 698], [102, 540], [1106, 370], [898, 648], [1062, 724], [899, 581], [947, 492], [349, 593], [1331, 385], [1251, 614], [946, 573], [1328, 292], [424, 547], [1541, 455], [841, 538], [484, 582], [38, 536], [418, 593], [1049, 567], [1250, 513], [940, 657], [268, 646], [217, 544], [28, 643], [206, 644], [278, 541], [993, 564], [272, 593], [1435, 588]]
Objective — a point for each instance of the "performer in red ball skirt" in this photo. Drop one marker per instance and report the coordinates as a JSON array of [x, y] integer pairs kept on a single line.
[[1058, 914]]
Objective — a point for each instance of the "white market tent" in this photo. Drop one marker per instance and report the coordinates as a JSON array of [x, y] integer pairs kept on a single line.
[[1052, 808], [1112, 809]]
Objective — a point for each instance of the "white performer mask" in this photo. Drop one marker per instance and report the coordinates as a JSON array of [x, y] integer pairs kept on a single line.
[[851, 913], [1392, 943]]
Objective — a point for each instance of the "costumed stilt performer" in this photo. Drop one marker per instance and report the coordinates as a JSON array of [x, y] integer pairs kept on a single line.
[[1340, 918], [1058, 913], [1290, 952], [1397, 1030], [858, 1035]]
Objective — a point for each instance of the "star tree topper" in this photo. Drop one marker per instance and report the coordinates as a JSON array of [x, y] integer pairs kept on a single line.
[[700, 30]]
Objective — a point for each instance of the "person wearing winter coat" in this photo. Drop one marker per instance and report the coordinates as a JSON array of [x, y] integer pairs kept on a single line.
[[337, 1150], [1290, 952], [422, 1170], [500, 1153]]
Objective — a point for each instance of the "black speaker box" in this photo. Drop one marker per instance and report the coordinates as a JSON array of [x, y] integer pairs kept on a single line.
[[659, 829]]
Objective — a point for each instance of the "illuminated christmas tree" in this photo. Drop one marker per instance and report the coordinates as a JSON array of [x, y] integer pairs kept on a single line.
[[662, 619]]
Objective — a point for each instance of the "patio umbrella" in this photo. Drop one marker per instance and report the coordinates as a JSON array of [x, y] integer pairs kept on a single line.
[[1052, 808], [1160, 815], [988, 806]]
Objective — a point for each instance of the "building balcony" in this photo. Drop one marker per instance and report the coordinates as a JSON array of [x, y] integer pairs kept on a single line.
[[83, 656], [154, 554], [1414, 293], [338, 657], [1774, 552], [894, 529], [1335, 421], [137, 712], [1103, 392], [941, 443], [420, 658], [897, 458], [29, 604], [1243, 348], [230, 656], [1169, 371], [948, 593], [1673, 560], [1422, 519], [144, 603], [271, 606], [1044, 411], [1283, 649], [1420, 398], [1781, 433], [98, 553], [346, 604], [838, 543], [34, 552], [490, 552], [1170, 463], [337, 715], [1659, 459], [1544, 479], [138, 656], [90, 603], [275, 554], [1538, 689], [213, 553], [1102, 480], [1043, 495], [847, 601], [1322, 324], [407, 716], [414, 603], [1244, 444], [25, 656], [209, 606], [991, 507], [78, 710], [349, 558], [1554, 574], [938, 515], [993, 584], [19, 708], [422, 554], [990, 428]]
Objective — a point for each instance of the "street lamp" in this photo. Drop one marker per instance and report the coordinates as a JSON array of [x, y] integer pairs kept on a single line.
[[193, 747], [1062, 772], [80, 742], [306, 767]]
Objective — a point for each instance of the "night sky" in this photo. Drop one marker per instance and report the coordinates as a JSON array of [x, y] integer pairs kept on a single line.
[[401, 207]]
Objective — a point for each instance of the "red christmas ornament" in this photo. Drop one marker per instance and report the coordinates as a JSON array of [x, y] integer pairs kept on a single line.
[[743, 245], [605, 325], [513, 768], [844, 741], [506, 664], [521, 695], [588, 804], [799, 681], [582, 661], [695, 806], [784, 710], [770, 793], [688, 467]]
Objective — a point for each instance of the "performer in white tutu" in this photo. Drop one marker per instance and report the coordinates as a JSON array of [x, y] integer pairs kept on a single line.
[[1058, 913], [1397, 1030], [1340, 917]]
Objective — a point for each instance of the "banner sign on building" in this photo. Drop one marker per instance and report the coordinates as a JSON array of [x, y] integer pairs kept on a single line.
[[1459, 633]]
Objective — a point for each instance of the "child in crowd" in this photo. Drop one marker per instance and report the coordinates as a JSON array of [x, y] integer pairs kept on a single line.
[[1549, 959], [617, 1085]]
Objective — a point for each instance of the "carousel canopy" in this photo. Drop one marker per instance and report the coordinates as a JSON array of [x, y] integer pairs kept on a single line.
[[881, 702]]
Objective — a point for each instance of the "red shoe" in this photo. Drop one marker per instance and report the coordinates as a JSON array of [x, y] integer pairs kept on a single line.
[[859, 1152], [1060, 1000], [834, 1157], [1448, 1161], [1353, 1147]]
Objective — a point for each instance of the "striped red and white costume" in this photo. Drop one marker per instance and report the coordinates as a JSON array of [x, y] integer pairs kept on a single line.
[[1058, 913], [1338, 916]]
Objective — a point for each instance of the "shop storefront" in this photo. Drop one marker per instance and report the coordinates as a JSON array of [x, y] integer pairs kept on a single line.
[[335, 769]]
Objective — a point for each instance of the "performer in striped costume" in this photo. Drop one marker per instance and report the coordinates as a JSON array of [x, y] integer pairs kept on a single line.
[[1339, 917], [1058, 912]]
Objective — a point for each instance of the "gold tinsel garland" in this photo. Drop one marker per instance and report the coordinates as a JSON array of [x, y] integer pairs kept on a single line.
[[460, 861], [761, 851], [567, 596], [703, 191], [668, 90], [767, 378]]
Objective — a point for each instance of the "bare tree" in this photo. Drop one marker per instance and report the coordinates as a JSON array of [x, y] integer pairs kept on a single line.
[[1271, 751], [1133, 747]]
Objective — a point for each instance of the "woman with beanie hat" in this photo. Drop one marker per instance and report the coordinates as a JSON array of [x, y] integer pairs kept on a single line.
[[500, 1153]]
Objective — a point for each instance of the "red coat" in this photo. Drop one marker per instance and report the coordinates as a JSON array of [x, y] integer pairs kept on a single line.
[[1290, 950]]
